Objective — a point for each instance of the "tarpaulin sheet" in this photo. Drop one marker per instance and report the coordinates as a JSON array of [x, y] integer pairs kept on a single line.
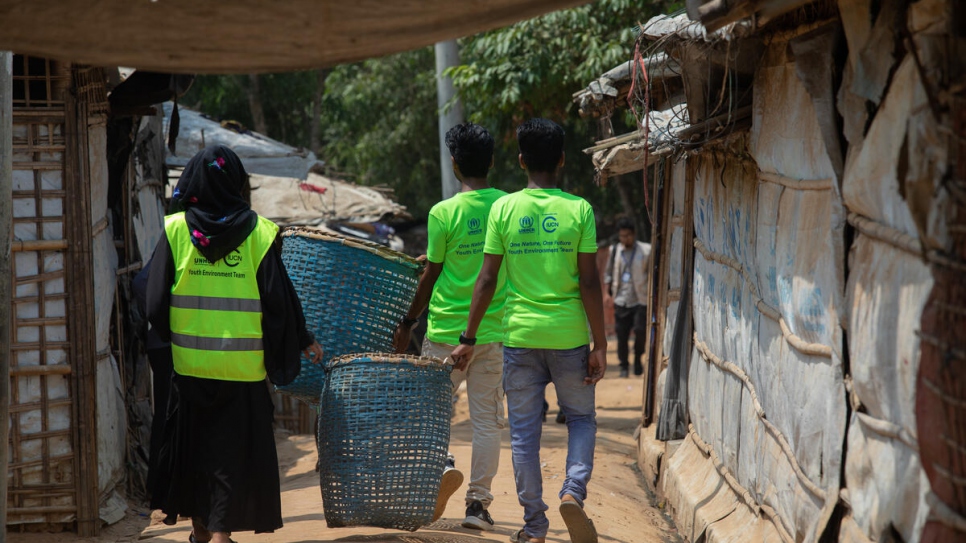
[[871, 182], [887, 290], [259, 153], [673, 415], [714, 513], [111, 411], [285, 201], [769, 248], [247, 36], [148, 158], [695, 488]]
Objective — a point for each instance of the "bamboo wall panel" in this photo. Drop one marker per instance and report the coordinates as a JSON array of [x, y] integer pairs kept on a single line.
[[42, 453], [294, 415]]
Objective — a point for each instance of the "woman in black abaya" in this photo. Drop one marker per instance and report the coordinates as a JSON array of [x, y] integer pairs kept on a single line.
[[218, 463]]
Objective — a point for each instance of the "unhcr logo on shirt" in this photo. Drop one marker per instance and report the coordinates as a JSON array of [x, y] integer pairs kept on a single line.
[[526, 225], [474, 226]]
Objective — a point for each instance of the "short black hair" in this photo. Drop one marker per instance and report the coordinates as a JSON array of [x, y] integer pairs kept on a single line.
[[626, 224], [541, 143], [471, 146]]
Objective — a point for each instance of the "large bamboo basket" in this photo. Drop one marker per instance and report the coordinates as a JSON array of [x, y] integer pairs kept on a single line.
[[353, 294]]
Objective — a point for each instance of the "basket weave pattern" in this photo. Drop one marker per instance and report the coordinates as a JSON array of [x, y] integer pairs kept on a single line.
[[383, 435], [353, 294]]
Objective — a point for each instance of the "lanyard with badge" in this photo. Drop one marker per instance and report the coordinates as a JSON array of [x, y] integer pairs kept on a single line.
[[626, 275]]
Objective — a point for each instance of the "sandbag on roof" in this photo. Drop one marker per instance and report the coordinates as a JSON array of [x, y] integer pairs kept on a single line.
[[318, 199]]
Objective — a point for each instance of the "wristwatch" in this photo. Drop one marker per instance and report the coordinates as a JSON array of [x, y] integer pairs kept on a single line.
[[405, 321], [467, 340]]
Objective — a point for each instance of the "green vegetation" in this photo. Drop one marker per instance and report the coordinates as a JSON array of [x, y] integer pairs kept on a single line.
[[375, 122]]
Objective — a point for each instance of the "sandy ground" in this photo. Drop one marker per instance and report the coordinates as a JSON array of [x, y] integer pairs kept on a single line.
[[617, 502]]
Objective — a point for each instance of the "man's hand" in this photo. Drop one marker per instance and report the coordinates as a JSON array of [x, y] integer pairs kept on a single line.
[[608, 300], [596, 365], [461, 356], [314, 352], [401, 338]]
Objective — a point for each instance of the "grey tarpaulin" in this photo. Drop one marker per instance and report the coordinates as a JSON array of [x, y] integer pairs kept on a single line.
[[672, 422]]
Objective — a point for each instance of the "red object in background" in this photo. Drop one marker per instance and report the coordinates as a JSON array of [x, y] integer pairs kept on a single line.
[[602, 255], [309, 187]]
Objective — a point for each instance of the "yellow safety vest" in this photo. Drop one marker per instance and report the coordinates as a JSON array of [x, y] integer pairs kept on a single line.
[[216, 309]]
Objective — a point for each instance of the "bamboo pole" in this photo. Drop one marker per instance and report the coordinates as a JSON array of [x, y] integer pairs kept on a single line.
[[39, 245], [58, 369], [80, 304], [6, 301]]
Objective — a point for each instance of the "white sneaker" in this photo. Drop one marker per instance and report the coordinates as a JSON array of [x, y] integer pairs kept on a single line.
[[448, 485]]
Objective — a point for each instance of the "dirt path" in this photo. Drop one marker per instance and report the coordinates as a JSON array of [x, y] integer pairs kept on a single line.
[[618, 504]]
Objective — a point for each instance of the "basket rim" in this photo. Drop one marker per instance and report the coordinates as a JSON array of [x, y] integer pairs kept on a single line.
[[369, 246], [387, 357]]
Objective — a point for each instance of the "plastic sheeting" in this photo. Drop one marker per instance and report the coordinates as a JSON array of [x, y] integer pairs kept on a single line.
[[673, 415], [149, 185], [247, 36], [771, 304], [715, 514], [887, 290], [282, 200], [111, 412], [260, 154], [767, 298]]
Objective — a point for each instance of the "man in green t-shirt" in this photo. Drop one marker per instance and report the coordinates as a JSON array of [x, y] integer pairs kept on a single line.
[[545, 240], [457, 231]]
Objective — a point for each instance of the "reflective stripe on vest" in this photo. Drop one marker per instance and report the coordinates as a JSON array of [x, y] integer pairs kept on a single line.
[[216, 309]]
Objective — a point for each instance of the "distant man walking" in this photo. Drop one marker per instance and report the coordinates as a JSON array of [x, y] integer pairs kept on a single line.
[[547, 240], [457, 231], [626, 279]]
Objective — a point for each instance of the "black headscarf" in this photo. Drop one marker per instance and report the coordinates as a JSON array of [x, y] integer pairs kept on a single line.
[[210, 193]]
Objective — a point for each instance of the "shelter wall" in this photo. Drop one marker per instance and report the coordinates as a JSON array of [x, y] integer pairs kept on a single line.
[[42, 470], [68, 417], [889, 279], [811, 276], [766, 383], [111, 412], [53, 436]]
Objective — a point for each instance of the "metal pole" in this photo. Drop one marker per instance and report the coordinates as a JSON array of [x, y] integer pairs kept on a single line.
[[6, 302], [450, 111]]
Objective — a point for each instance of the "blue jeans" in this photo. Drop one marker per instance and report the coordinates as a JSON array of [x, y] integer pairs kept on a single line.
[[526, 373]]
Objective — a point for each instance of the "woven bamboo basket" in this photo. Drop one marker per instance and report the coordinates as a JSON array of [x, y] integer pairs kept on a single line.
[[383, 435], [353, 294]]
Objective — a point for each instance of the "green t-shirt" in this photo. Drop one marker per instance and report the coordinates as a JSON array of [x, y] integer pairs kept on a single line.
[[457, 231], [540, 232]]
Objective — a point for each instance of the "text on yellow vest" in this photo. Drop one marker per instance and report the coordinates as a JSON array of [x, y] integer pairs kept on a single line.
[[216, 310]]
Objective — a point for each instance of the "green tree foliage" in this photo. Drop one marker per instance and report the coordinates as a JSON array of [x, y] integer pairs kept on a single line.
[[532, 68], [286, 99], [379, 118], [379, 123]]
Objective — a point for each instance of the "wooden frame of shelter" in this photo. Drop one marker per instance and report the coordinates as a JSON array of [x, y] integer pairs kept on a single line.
[[53, 462], [83, 188]]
